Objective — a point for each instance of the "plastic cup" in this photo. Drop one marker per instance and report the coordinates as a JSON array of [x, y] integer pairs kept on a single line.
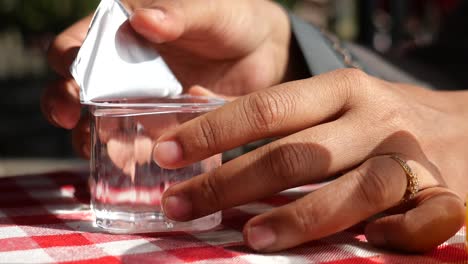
[[126, 183]]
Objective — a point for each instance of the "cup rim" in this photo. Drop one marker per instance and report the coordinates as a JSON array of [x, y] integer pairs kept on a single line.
[[211, 102]]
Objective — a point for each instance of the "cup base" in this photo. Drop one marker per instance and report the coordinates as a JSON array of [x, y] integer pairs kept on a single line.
[[131, 223]]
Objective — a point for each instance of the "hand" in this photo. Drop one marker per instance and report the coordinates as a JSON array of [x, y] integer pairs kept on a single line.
[[342, 125], [230, 47]]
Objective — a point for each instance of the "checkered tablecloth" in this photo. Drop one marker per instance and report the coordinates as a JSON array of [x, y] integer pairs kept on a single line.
[[46, 219]]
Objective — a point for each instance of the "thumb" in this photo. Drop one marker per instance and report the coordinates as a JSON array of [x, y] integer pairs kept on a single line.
[[163, 21], [438, 215]]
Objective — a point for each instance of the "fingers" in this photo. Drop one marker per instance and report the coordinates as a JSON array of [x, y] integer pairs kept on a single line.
[[376, 185], [223, 23], [160, 21], [60, 103], [305, 157], [271, 112], [438, 215], [163, 21], [64, 48]]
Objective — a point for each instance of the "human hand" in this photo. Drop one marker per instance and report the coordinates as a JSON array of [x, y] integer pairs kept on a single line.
[[230, 47], [342, 124]]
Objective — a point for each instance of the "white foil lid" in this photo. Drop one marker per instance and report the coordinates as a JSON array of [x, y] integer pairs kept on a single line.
[[114, 62]]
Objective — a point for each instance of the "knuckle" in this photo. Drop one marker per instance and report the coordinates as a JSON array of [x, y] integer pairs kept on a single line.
[[306, 222], [354, 76], [395, 117], [392, 119], [286, 164], [373, 186], [212, 192], [267, 110], [353, 81], [207, 138]]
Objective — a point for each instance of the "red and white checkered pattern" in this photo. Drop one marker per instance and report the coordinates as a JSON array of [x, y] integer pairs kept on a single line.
[[46, 219]]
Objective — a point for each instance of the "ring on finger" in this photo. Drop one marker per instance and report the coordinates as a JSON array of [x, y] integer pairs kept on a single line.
[[412, 187]]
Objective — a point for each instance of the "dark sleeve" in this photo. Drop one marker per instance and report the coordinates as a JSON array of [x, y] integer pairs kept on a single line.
[[322, 53]]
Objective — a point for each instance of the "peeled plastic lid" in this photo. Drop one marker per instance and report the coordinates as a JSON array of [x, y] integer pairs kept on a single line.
[[114, 62]]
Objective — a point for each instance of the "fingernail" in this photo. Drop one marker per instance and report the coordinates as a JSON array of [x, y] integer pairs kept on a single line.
[[159, 14], [177, 207], [261, 237], [146, 21], [167, 153], [375, 236]]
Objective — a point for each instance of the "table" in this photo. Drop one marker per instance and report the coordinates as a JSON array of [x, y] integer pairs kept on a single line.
[[45, 218]]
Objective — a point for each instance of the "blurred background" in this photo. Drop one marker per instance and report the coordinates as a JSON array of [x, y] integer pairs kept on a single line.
[[425, 37]]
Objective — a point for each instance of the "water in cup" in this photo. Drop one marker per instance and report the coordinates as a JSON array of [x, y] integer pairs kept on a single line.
[[126, 183]]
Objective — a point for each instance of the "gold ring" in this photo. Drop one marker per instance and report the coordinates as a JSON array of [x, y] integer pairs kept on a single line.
[[412, 187]]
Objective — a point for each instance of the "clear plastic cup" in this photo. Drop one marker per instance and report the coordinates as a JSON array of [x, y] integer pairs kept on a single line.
[[126, 183]]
